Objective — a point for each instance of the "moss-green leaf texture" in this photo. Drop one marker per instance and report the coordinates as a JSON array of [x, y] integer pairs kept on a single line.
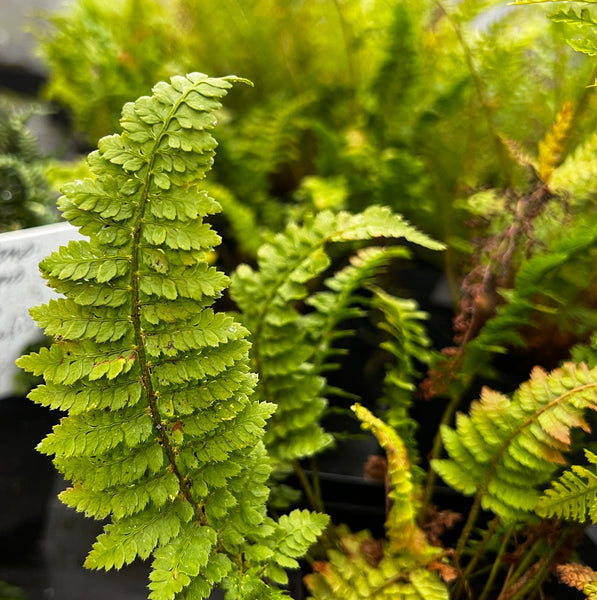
[[163, 434]]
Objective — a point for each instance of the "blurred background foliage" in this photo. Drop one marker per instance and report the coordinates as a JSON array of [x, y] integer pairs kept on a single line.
[[416, 105]]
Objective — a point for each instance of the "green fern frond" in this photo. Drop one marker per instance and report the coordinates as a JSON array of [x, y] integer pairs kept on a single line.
[[409, 346], [282, 352], [163, 434], [506, 449], [573, 496]]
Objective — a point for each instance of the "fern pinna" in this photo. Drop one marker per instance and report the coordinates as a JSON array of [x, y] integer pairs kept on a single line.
[[163, 434]]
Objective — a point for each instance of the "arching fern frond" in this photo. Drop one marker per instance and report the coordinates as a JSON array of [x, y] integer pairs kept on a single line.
[[282, 353], [574, 495], [506, 449], [163, 434], [403, 533], [342, 301]]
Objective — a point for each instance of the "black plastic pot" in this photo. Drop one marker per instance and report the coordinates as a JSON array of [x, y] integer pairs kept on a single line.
[[26, 477]]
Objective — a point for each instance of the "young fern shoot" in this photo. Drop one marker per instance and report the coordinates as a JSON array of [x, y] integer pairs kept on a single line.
[[163, 433]]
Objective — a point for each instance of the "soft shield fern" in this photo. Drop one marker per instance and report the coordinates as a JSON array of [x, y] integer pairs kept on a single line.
[[406, 565], [163, 433]]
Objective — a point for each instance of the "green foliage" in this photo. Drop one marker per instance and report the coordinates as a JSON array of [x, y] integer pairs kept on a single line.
[[397, 568], [409, 347], [285, 343], [471, 119], [25, 197], [574, 495], [506, 449], [349, 574], [381, 118], [163, 434]]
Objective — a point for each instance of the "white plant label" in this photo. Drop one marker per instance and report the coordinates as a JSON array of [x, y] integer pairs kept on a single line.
[[21, 287]]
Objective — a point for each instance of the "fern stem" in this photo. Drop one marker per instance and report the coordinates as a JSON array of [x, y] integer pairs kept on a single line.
[[436, 452], [479, 552], [534, 575], [314, 501], [316, 483], [497, 563], [468, 527], [524, 564]]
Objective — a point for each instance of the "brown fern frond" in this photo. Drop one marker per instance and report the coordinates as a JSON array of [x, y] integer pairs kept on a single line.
[[576, 575]]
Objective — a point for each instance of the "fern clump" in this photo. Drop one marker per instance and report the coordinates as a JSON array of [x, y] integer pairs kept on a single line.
[[289, 349], [405, 565], [164, 434]]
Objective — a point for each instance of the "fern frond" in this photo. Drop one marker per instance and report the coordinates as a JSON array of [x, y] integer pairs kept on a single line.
[[402, 531], [163, 435], [282, 353], [506, 449], [360, 567], [408, 345], [573, 496]]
